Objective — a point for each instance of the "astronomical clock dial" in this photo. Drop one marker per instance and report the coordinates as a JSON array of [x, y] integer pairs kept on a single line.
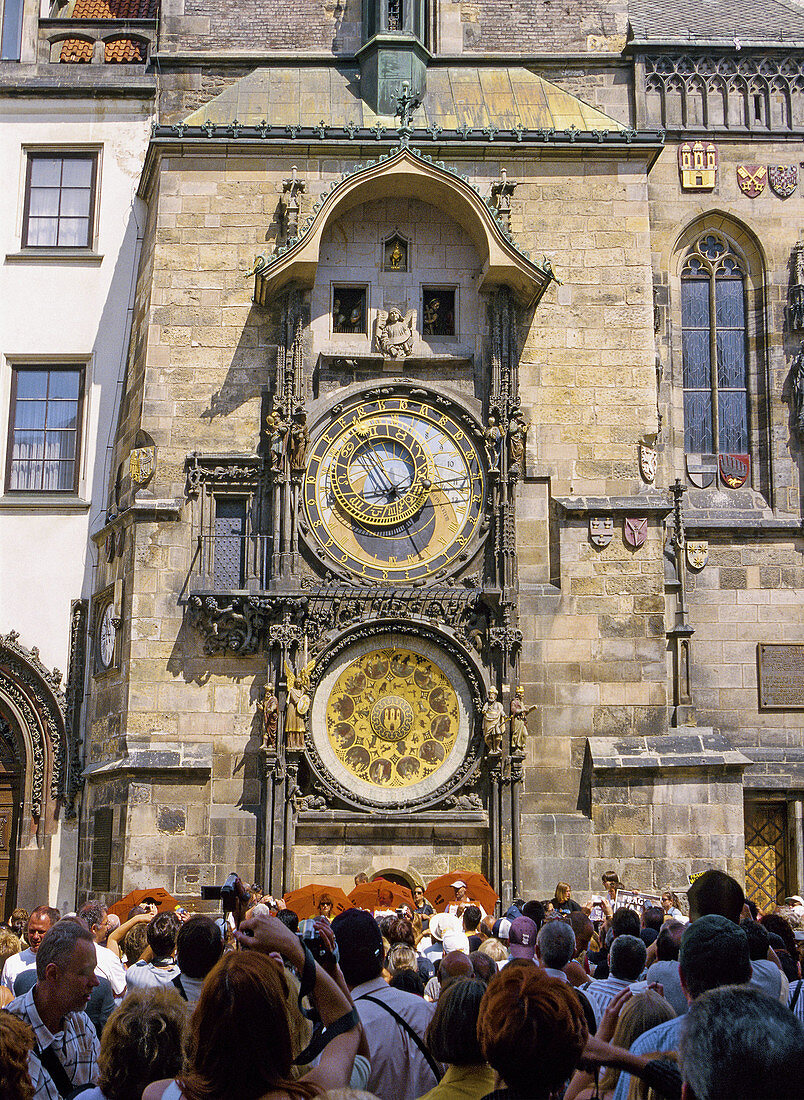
[[391, 719], [107, 635], [394, 489]]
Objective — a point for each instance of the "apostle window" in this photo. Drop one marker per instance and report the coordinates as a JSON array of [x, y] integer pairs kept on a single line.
[[44, 429], [59, 200], [714, 349]]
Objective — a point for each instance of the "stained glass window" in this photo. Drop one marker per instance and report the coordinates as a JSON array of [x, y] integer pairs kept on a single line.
[[714, 349]]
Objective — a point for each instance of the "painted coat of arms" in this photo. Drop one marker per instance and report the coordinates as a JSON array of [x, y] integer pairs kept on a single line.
[[647, 463], [141, 464], [701, 470], [601, 528], [752, 179], [734, 470], [783, 179], [697, 554], [635, 530]]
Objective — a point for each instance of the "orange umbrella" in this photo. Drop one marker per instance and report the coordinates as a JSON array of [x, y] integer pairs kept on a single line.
[[165, 902], [440, 893], [367, 895], [304, 901]]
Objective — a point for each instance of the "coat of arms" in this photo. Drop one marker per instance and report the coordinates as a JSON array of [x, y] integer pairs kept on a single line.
[[734, 470], [697, 162], [697, 554], [141, 464], [647, 463], [752, 179], [701, 469], [601, 528], [783, 179], [635, 530]]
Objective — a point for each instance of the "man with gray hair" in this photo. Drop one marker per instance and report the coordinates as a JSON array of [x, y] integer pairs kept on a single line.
[[39, 922], [66, 1053], [555, 946], [626, 964], [107, 964], [739, 1044]]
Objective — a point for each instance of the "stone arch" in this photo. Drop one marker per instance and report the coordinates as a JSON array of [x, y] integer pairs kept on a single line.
[[407, 174], [34, 708]]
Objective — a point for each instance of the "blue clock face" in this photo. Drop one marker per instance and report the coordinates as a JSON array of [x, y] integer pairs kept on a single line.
[[393, 489]]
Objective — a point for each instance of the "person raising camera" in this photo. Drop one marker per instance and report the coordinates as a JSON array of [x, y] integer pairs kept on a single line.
[[240, 1039]]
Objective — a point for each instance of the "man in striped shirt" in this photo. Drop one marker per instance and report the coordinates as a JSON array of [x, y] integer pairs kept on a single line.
[[66, 1053]]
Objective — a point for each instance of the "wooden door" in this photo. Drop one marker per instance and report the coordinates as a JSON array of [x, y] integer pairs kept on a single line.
[[766, 853]]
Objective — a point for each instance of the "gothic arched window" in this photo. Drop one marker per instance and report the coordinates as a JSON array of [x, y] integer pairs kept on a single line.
[[714, 348]]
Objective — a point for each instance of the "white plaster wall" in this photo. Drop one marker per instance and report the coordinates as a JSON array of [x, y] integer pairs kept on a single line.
[[440, 255], [65, 310]]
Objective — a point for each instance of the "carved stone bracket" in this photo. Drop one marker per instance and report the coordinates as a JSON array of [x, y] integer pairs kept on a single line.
[[36, 694], [220, 473], [74, 700], [242, 625]]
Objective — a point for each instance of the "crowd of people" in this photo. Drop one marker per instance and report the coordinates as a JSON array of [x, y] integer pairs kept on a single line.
[[542, 1003]]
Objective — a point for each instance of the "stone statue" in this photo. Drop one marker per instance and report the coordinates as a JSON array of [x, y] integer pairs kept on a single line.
[[396, 258], [517, 434], [298, 442], [493, 714], [269, 707], [298, 706], [395, 333], [277, 429], [518, 719], [797, 395], [795, 295], [492, 438]]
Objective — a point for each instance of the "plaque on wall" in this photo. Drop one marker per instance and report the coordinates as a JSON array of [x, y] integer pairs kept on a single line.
[[781, 676]]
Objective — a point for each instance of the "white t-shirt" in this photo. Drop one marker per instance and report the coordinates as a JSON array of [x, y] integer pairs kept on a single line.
[[107, 965], [143, 975], [16, 965]]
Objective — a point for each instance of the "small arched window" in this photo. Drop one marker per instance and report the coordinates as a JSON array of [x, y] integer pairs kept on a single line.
[[714, 348]]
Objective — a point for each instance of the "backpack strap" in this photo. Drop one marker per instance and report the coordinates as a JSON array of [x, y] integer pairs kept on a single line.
[[58, 1074], [431, 1062]]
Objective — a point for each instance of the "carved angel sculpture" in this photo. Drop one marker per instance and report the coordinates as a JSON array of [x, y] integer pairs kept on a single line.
[[395, 333], [298, 705]]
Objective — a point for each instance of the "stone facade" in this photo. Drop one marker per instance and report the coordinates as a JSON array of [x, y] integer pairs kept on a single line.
[[648, 735]]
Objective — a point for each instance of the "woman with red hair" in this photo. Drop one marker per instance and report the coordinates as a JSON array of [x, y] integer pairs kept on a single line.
[[532, 1031], [240, 1037]]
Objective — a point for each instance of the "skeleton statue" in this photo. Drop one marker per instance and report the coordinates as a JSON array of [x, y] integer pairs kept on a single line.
[[492, 438], [395, 333]]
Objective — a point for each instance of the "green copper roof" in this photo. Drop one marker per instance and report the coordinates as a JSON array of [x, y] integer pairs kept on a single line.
[[455, 97]]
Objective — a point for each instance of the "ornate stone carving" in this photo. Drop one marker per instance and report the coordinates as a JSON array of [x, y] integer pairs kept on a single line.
[[797, 394], [493, 715], [298, 706], [395, 333], [37, 695], [518, 714], [795, 292], [221, 472], [501, 194], [74, 700], [290, 204], [241, 625], [269, 714]]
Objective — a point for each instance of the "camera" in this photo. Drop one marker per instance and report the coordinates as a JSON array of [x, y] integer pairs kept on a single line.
[[312, 939]]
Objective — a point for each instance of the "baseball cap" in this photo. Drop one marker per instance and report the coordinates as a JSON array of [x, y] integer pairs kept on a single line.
[[456, 941], [502, 927], [522, 938]]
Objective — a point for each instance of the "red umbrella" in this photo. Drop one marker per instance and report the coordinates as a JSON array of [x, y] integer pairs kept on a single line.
[[440, 893], [165, 902], [304, 901], [367, 895]]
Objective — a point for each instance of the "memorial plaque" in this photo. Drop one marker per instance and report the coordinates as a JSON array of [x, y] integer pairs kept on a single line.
[[781, 677]]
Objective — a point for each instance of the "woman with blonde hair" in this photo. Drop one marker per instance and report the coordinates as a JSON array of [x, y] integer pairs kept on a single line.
[[9, 945], [626, 1018], [494, 949], [16, 1041], [142, 1041]]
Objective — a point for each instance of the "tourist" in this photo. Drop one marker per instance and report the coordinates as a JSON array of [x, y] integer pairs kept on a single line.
[[452, 1040], [483, 965], [9, 945], [522, 939], [108, 964], [39, 922], [664, 971], [240, 1037], [471, 926], [439, 924], [562, 901], [199, 945], [531, 1031], [495, 949], [555, 945], [66, 1053], [142, 1044], [671, 907], [325, 907], [161, 932], [421, 905], [462, 899], [18, 923], [740, 1044], [714, 952], [650, 924], [401, 1068], [766, 975], [17, 1040], [131, 949], [715, 892]]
